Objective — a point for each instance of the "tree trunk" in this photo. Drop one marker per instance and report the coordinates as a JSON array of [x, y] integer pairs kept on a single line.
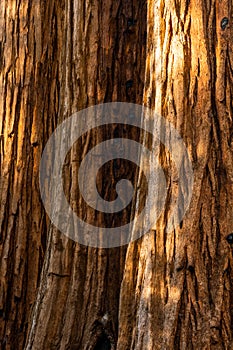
[[182, 285], [96, 51], [103, 50], [167, 290], [30, 45]]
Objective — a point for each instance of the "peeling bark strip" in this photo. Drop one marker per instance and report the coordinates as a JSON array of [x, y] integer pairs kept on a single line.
[[182, 282]]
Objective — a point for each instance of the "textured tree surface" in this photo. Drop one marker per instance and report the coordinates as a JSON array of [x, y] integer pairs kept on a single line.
[[30, 44], [182, 281], [168, 290]]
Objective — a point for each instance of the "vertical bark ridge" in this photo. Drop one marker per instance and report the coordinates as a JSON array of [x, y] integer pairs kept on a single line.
[[104, 48], [184, 302], [29, 88]]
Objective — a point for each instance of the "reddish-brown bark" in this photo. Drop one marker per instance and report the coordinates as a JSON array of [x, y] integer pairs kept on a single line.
[[166, 290]]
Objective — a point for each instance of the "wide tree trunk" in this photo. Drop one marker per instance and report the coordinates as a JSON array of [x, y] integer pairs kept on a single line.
[[183, 280], [74, 54], [103, 51], [168, 290]]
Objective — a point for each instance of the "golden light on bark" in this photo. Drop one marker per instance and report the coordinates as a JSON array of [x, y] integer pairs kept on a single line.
[[167, 290]]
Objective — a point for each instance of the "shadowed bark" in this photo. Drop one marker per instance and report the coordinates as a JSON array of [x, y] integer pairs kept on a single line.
[[168, 290]]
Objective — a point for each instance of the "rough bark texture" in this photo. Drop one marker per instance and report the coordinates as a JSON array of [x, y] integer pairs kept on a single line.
[[78, 298], [182, 281], [30, 44], [167, 290]]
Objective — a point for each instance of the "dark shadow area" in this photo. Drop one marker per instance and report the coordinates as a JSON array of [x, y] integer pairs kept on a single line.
[[103, 343]]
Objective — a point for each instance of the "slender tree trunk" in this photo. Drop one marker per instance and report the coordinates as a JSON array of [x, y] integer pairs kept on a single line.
[[168, 290]]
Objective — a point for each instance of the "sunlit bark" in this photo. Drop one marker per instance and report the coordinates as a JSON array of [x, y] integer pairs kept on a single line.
[[182, 281], [166, 290], [29, 89]]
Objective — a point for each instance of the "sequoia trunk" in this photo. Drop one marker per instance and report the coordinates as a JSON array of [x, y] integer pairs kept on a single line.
[[58, 58], [30, 45], [183, 283], [168, 290]]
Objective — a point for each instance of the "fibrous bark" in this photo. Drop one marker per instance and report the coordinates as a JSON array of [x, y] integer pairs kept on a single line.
[[30, 44], [168, 290], [103, 60], [183, 280]]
